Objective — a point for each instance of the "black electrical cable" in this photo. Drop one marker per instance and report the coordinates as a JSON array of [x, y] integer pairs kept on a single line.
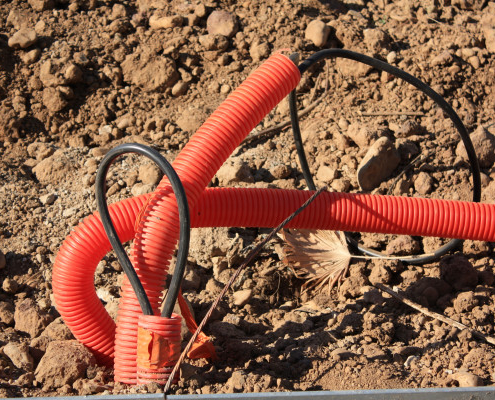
[[439, 100], [184, 224]]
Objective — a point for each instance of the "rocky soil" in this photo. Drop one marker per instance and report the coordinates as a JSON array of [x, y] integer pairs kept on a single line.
[[78, 77]]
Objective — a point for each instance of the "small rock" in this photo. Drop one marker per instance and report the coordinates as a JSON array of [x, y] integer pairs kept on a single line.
[[466, 379], [378, 163], [139, 189], [317, 31], [222, 22], [48, 199], [3, 260], [213, 286], [200, 10], [151, 73], [41, 5], [149, 174], [30, 318], [23, 38], [159, 22], [280, 171], [242, 297], [259, 51], [6, 313], [73, 74], [214, 42], [402, 246], [489, 34], [361, 135], [234, 171], [53, 100], [25, 379], [484, 145], [326, 174], [465, 302], [410, 360], [10, 286], [179, 88], [423, 184], [409, 128], [125, 121], [444, 58], [380, 274], [118, 11], [392, 57], [18, 19], [19, 355], [57, 330], [237, 381], [474, 61], [353, 286], [64, 362], [458, 272], [376, 40], [31, 57], [53, 169], [225, 89]]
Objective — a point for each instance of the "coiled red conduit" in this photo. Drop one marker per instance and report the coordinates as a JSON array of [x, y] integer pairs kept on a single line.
[[157, 234]]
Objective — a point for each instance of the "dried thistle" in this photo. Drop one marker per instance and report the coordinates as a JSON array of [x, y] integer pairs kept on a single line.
[[320, 257]]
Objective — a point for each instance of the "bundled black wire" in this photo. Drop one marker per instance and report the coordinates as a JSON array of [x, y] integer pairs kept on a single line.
[[439, 100], [184, 219]]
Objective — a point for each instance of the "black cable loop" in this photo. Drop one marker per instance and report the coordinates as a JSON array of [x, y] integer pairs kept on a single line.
[[184, 224], [439, 100]]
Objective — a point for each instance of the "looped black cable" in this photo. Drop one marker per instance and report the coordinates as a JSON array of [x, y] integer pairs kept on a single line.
[[439, 100], [184, 219]]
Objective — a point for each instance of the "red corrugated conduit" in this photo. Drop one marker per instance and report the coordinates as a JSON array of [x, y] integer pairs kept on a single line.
[[77, 259], [157, 233]]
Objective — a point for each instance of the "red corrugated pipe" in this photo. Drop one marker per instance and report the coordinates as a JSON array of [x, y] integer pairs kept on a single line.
[[157, 233]]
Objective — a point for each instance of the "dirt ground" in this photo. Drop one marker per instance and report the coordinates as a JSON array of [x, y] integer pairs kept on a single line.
[[78, 77]]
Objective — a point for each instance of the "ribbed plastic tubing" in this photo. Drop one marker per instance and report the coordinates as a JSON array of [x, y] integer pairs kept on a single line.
[[196, 165], [78, 258]]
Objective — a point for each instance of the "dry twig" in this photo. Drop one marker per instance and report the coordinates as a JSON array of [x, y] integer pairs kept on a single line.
[[433, 314]]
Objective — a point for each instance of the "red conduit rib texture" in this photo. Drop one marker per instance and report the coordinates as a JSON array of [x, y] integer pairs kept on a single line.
[[346, 212], [76, 261], [73, 277], [196, 165]]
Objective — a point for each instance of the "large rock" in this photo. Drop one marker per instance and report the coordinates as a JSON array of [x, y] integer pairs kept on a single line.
[[150, 73], [30, 318], [221, 22], [378, 164], [23, 38], [64, 362], [484, 146], [317, 31]]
